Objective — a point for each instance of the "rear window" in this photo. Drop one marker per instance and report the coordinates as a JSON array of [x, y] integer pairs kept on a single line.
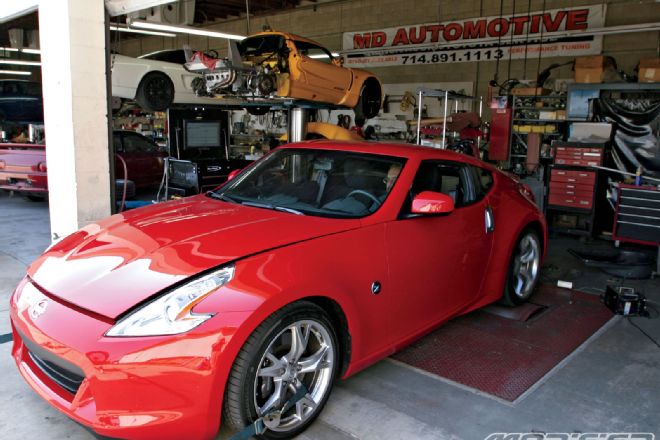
[[261, 45]]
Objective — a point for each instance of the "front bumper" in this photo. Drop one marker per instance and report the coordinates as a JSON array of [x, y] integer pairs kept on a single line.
[[160, 387]]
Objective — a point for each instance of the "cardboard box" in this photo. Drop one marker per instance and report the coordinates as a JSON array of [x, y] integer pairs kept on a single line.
[[561, 114], [547, 114], [649, 70], [591, 69]]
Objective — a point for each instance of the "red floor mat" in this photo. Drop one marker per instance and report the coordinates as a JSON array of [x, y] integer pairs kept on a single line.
[[505, 357]]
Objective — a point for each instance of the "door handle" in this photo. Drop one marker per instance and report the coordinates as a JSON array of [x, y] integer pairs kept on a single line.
[[489, 220]]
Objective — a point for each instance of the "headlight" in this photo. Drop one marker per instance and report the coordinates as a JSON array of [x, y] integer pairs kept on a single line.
[[172, 313]]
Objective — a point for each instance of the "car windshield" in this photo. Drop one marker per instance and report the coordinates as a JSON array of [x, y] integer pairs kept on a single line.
[[323, 183]]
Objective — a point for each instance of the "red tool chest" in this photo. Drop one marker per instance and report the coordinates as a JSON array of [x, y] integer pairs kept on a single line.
[[572, 188], [572, 183], [578, 156]]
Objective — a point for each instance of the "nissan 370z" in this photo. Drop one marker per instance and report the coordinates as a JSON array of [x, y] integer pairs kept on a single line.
[[244, 304]]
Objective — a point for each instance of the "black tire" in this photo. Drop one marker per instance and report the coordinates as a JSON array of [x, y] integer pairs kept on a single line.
[[155, 92], [258, 110], [244, 387], [516, 293], [371, 98], [34, 198]]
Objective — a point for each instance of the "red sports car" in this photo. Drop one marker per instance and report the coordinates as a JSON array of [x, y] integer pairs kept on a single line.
[[244, 304]]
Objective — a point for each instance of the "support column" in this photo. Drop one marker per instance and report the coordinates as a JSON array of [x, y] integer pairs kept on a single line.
[[297, 128], [73, 65]]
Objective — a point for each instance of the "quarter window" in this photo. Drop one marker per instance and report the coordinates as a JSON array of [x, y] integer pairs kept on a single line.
[[483, 181]]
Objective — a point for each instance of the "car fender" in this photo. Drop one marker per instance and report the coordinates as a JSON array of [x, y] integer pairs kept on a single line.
[[127, 73], [250, 302], [512, 215]]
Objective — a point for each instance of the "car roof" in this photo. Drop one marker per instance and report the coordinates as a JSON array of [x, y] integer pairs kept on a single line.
[[288, 36], [388, 149]]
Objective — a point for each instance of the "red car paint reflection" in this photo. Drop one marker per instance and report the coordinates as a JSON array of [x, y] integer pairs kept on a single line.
[[431, 267]]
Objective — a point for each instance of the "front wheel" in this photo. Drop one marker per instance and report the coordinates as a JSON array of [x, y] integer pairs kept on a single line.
[[295, 347], [524, 270]]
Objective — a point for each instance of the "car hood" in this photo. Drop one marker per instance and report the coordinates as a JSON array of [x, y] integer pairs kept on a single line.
[[110, 266]]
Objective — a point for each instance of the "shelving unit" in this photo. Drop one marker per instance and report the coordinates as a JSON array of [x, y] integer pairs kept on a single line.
[[445, 96], [530, 116]]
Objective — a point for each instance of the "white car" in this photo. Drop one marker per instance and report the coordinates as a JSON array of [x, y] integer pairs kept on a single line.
[[155, 80]]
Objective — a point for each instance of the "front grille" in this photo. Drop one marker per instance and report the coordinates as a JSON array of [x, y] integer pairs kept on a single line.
[[65, 378]]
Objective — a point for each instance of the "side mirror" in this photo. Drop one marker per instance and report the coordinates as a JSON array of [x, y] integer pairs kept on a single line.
[[430, 202], [232, 174]]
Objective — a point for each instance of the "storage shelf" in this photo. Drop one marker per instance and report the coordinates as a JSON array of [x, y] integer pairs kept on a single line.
[[540, 96], [553, 121], [539, 108]]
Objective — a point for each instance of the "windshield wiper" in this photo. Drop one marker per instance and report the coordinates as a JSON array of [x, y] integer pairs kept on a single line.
[[274, 208], [290, 210], [222, 197]]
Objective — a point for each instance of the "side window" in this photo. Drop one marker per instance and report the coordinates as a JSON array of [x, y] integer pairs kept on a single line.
[[312, 51], [483, 181], [446, 177], [134, 143]]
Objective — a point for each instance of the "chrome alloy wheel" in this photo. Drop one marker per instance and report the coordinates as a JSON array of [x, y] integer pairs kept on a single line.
[[301, 354], [526, 266]]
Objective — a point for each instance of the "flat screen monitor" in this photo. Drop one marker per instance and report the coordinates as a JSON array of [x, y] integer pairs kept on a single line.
[[203, 134]]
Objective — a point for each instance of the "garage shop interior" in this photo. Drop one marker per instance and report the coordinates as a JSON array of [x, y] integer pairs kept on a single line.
[[330, 219]]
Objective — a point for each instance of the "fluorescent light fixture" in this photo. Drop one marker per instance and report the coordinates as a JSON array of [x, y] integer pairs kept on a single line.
[[20, 62], [183, 30], [24, 50], [12, 9], [15, 72], [321, 55], [140, 31]]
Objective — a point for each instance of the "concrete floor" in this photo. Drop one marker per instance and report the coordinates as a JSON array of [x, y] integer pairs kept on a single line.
[[610, 384]]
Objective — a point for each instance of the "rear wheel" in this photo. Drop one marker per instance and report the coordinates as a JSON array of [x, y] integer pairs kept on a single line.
[[155, 92], [295, 347], [524, 269]]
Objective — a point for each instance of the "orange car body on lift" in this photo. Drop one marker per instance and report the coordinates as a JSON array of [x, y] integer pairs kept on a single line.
[[277, 64]]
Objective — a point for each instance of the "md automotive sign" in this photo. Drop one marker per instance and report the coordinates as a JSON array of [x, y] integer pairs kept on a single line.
[[479, 39]]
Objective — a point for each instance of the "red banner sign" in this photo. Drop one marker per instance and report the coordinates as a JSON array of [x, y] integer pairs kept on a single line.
[[549, 33]]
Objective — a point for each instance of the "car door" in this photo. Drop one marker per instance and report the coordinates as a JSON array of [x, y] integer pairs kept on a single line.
[[438, 262], [326, 80], [143, 160]]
